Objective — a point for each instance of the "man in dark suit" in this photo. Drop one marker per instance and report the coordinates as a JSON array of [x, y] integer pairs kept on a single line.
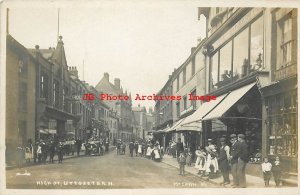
[[234, 155], [242, 161], [179, 147]]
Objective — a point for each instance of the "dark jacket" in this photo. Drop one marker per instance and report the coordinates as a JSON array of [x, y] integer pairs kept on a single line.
[[181, 160], [223, 161], [131, 146], [243, 154], [179, 146], [235, 152]]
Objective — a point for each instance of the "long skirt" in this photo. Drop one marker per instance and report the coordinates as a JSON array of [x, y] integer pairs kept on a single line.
[[211, 162]]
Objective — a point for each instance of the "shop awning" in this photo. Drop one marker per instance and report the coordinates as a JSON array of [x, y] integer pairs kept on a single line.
[[202, 111], [228, 102], [175, 126], [195, 126]]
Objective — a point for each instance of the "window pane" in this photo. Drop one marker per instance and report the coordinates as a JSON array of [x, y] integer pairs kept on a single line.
[[225, 64], [214, 71], [256, 53], [241, 48]]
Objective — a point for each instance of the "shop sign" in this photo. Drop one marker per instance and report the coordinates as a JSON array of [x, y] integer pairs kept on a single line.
[[237, 26]]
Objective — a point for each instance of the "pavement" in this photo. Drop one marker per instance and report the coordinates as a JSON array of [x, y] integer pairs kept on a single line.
[[110, 171], [32, 163], [252, 181]]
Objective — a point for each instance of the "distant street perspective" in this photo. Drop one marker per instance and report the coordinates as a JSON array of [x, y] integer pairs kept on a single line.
[[113, 104]]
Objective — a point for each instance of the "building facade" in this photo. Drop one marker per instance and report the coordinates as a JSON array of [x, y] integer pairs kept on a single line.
[[20, 98], [251, 57], [123, 108]]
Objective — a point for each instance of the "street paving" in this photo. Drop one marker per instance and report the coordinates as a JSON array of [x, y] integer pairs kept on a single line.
[[102, 172]]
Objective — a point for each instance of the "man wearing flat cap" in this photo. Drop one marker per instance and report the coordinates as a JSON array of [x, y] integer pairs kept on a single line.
[[242, 161], [234, 155], [223, 160]]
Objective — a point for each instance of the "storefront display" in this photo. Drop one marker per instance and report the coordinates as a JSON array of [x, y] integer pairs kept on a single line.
[[282, 123]]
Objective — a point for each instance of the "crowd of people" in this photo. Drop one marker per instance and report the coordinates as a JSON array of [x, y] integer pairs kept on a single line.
[[150, 149], [45, 150], [211, 161]]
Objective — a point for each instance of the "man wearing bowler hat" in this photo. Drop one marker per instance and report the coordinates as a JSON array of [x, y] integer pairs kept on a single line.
[[242, 161], [223, 160], [234, 155]]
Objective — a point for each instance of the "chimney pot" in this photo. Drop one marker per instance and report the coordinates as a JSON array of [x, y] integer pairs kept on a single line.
[[106, 76]]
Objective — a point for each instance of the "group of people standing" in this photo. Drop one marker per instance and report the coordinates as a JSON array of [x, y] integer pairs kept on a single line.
[[150, 149], [211, 160]]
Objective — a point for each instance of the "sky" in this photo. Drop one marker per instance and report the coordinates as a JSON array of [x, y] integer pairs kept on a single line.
[[141, 43]]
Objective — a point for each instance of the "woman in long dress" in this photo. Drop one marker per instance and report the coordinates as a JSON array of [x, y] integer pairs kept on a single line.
[[201, 161], [212, 162]]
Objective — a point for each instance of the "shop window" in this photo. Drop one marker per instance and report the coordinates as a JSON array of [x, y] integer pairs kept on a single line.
[[225, 72], [241, 53], [256, 45], [214, 71], [283, 125]]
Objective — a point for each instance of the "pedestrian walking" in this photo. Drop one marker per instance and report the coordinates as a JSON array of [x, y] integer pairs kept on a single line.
[[136, 147], [224, 155], [131, 148], [51, 152], [39, 153], [182, 163], [140, 149], [179, 147], [276, 170], [34, 148], [123, 148], [60, 152], [266, 169], [78, 144], [106, 145], [242, 161]]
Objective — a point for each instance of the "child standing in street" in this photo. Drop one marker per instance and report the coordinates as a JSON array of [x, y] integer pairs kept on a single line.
[[182, 162], [266, 168], [189, 158], [276, 170]]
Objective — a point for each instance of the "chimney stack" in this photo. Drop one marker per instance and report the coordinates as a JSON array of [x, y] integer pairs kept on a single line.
[[117, 83], [106, 76]]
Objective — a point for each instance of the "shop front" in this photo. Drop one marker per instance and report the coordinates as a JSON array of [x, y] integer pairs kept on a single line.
[[239, 113], [281, 121]]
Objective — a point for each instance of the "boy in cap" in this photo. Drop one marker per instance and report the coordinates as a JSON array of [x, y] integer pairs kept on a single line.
[[223, 160]]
